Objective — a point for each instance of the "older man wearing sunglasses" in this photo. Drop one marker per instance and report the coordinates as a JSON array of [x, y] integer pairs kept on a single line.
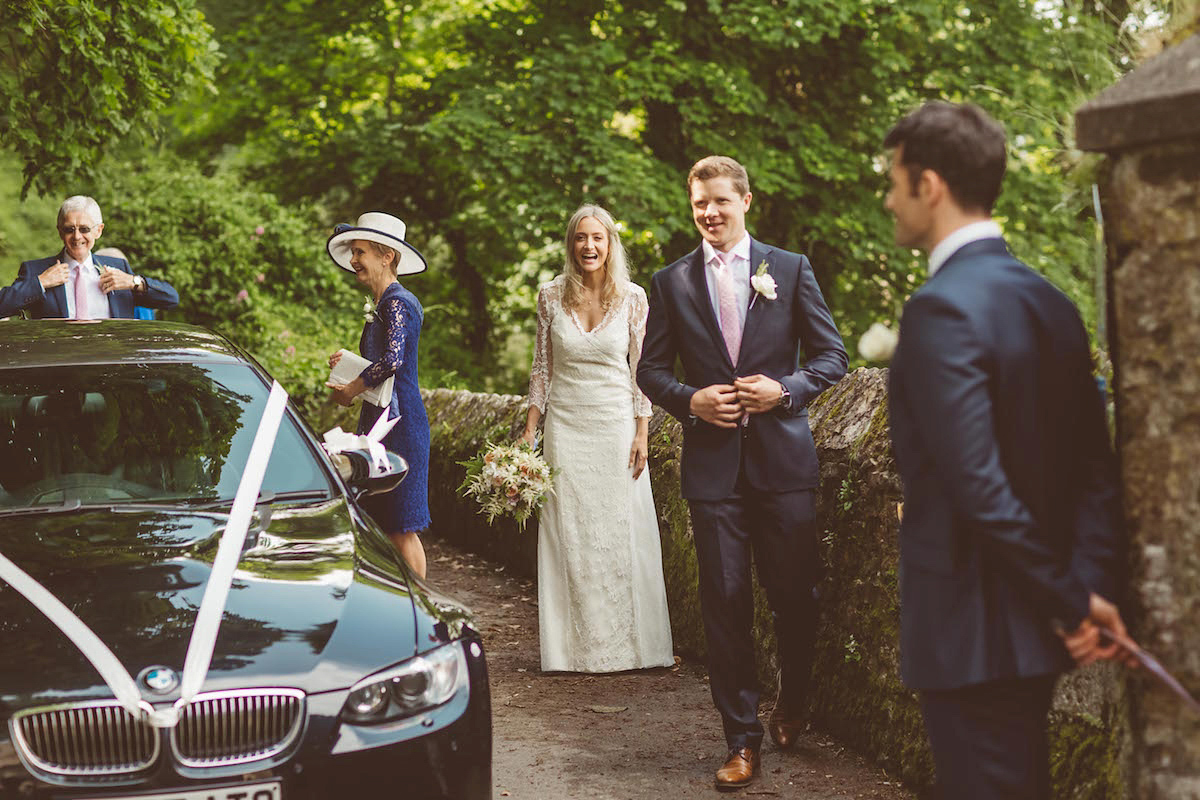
[[77, 284]]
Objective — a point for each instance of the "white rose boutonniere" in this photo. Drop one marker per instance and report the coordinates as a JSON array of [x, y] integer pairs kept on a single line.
[[878, 343], [763, 284], [369, 311]]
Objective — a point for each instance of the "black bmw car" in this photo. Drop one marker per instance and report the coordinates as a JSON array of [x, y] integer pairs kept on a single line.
[[334, 673]]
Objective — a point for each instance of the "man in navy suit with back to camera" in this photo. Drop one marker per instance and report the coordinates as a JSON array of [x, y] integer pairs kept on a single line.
[[1011, 543], [77, 284], [736, 313]]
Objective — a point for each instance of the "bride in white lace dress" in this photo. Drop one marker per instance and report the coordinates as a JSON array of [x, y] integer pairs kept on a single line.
[[602, 601]]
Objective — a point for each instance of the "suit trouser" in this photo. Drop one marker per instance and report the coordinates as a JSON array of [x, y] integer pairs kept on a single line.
[[779, 528], [989, 740]]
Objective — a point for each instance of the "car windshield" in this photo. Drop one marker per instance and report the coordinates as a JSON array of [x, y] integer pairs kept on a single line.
[[140, 433]]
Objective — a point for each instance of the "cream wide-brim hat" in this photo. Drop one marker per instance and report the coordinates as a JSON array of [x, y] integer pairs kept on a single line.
[[375, 226]]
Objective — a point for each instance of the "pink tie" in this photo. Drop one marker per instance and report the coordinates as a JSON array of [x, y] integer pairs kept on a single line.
[[81, 304], [731, 328]]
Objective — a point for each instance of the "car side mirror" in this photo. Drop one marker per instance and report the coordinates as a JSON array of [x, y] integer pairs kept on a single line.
[[357, 470]]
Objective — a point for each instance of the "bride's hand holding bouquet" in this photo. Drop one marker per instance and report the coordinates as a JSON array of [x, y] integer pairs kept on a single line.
[[508, 480]]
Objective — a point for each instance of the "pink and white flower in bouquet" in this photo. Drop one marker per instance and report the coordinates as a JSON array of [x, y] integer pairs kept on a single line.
[[508, 480]]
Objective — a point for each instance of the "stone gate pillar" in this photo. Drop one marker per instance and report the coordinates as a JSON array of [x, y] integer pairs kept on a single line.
[[1148, 126]]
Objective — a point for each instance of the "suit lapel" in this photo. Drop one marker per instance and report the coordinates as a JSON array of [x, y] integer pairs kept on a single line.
[[56, 296], [697, 289], [758, 254]]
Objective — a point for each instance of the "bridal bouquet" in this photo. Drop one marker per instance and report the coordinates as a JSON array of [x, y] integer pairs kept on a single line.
[[507, 479]]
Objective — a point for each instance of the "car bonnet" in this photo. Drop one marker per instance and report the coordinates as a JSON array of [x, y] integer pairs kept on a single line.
[[317, 600]]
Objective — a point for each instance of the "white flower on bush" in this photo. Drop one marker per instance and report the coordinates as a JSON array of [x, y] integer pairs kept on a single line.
[[878, 343]]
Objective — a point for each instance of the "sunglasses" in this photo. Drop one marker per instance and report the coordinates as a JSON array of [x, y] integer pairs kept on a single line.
[[84, 229]]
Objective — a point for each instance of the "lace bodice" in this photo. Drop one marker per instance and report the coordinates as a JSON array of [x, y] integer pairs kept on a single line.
[[588, 361]]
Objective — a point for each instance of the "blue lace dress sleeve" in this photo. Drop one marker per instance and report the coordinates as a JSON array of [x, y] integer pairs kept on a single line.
[[391, 314]]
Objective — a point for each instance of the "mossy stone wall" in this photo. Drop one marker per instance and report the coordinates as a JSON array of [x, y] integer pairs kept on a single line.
[[857, 695]]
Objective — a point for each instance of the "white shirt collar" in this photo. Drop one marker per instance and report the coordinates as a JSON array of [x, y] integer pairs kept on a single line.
[[741, 249], [971, 232], [73, 263]]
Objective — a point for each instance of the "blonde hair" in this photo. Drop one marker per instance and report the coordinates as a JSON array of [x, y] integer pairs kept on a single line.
[[616, 270]]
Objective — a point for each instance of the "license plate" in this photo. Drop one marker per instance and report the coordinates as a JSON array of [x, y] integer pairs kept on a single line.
[[239, 791]]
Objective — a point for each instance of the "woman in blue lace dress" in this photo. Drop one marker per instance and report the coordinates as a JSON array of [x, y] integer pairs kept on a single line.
[[376, 252]]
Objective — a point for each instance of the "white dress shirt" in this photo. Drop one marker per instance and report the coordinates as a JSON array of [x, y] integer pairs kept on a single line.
[[739, 267], [97, 300], [971, 232]]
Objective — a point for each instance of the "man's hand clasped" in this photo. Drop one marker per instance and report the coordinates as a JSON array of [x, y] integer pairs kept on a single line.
[[724, 405], [1087, 644], [758, 393]]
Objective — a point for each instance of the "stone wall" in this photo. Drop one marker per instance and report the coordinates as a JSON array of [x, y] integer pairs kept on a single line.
[[1148, 124], [857, 695]]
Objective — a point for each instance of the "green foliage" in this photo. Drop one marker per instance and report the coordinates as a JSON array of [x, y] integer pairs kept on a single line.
[[484, 124], [243, 264], [80, 76], [26, 225]]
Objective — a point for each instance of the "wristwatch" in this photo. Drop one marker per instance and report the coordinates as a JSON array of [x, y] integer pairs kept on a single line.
[[139, 283], [785, 399]]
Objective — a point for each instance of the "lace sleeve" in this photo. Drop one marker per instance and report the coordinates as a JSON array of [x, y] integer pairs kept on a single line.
[[638, 310], [543, 360], [392, 314]]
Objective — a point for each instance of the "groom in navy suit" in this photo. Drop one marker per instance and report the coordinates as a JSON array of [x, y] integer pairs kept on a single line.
[[736, 313], [1011, 543], [76, 283]]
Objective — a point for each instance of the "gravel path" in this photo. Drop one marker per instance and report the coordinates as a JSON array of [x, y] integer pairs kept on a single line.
[[647, 735]]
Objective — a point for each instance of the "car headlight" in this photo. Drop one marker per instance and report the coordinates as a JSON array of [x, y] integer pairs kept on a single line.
[[418, 684]]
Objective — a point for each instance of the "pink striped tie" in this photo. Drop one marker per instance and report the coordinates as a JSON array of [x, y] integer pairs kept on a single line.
[[731, 327], [81, 303]]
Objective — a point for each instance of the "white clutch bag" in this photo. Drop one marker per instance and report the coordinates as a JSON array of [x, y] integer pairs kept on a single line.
[[349, 367]]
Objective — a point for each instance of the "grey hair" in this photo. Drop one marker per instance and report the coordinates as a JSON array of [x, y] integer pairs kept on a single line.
[[616, 270], [80, 202]]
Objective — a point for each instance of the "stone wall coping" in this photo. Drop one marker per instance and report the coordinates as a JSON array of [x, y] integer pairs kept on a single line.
[[1157, 102]]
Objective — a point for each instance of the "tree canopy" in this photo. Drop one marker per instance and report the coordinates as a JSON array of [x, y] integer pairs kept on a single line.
[[81, 77], [485, 123]]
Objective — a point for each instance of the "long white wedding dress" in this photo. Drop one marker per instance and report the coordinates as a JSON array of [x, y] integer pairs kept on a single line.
[[601, 598]]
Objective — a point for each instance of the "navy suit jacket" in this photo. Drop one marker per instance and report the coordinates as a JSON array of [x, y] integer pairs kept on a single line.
[[776, 448], [26, 293], [1011, 512]]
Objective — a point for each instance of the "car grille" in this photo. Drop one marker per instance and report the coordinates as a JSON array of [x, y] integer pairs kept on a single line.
[[85, 739], [215, 730], [234, 727]]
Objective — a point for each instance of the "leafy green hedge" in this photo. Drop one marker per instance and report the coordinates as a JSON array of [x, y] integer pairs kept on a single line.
[[244, 265]]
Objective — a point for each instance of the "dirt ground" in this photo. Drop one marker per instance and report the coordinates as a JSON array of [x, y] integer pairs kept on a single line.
[[627, 736]]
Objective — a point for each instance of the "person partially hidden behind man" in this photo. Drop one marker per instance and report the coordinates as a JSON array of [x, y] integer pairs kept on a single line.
[[1012, 544], [75, 283]]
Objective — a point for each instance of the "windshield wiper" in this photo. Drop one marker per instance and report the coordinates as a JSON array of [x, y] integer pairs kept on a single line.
[[70, 505]]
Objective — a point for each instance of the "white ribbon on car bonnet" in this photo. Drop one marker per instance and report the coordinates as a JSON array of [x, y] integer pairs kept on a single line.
[[212, 605]]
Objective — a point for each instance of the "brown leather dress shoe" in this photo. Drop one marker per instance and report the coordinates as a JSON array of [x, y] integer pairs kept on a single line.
[[739, 770], [784, 725]]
